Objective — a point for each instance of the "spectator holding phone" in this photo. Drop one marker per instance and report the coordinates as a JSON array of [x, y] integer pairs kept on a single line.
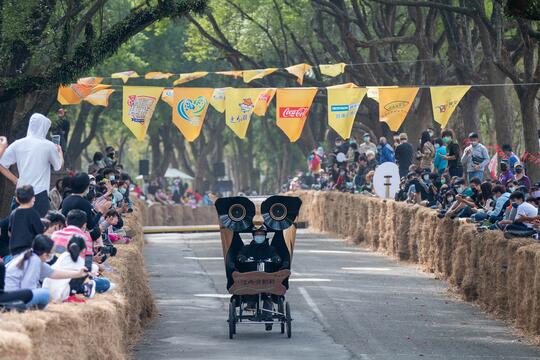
[[34, 156]]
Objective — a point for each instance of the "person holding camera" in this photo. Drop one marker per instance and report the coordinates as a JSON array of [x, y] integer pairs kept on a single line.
[[34, 156]]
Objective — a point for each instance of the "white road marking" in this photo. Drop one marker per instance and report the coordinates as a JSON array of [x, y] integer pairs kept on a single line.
[[326, 252], [218, 296], [365, 269], [309, 280], [202, 258], [314, 307]]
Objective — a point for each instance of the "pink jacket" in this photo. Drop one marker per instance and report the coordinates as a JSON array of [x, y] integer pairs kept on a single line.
[[62, 237]]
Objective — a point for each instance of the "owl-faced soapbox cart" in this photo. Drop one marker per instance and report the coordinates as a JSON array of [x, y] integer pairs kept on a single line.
[[258, 270]]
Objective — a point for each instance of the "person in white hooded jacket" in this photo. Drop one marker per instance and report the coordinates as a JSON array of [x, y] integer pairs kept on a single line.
[[34, 156]]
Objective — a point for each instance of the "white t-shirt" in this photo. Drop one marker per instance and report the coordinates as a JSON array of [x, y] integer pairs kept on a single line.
[[528, 210], [34, 155]]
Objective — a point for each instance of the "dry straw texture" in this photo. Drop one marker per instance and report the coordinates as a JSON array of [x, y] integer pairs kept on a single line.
[[175, 215], [503, 276], [104, 327]]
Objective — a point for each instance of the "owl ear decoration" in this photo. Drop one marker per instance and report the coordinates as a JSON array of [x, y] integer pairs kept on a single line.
[[280, 212], [236, 213]]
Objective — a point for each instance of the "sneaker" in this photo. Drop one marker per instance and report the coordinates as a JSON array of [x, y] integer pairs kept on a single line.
[[112, 287], [90, 289], [268, 327]]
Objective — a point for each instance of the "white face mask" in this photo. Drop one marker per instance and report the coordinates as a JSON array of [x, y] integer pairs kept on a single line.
[[259, 239], [536, 194], [459, 190]]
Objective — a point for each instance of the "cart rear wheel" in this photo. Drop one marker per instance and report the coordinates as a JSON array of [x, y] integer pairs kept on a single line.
[[288, 319], [232, 320]]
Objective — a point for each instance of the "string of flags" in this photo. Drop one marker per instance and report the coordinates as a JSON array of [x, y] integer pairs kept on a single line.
[[190, 104]]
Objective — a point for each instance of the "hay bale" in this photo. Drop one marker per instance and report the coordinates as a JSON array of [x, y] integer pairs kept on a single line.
[[105, 327], [502, 276]]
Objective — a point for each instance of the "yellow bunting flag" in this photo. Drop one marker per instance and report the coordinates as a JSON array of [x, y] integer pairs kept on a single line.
[[125, 75], [343, 86], [218, 99], [189, 110], [292, 110], [373, 91], [157, 75], [168, 96], [99, 98], [184, 78], [445, 100], [299, 71], [239, 106], [394, 105], [343, 103], [138, 106], [264, 100], [233, 73], [250, 75], [332, 69]]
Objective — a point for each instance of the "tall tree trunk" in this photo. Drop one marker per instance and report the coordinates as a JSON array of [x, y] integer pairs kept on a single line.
[[467, 118], [529, 113]]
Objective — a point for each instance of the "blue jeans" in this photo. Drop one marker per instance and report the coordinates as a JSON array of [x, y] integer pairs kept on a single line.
[[40, 298], [478, 174]]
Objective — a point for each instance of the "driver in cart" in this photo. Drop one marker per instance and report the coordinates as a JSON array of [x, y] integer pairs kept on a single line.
[[259, 255]]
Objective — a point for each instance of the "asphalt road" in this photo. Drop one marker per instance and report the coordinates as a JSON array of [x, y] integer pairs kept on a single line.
[[347, 303]]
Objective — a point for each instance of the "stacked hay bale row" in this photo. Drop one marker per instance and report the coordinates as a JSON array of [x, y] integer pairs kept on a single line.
[[502, 275], [105, 327], [177, 215]]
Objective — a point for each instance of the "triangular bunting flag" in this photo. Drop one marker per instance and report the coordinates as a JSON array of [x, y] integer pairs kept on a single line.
[[299, 71], [168, 96], [264, 100], [332, 69], [233, 73], [343, 103], [184, 78], [292, 110], [239, 106], [189, 110], [373, 91], [250, 75], [156, 75], [218, 99], [99, 98], [125, 75], [394, 105], [138, 106], [444, 100]]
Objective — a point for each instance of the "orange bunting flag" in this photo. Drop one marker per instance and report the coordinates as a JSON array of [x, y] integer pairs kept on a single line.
[[292, 110], [189, 110], [394, 105], [239, 106], [343, 86], [74, 93], [332, 70], [125, 75], [138, 106], [168, 96], [156, 75], [233, 73], [250, 75], [264, 100], [299, 71], [100, 97], [444, 100], [218, 99], [184, 78]]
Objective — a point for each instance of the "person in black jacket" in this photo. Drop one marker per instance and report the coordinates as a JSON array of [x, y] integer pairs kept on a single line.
[[404, 155], [77, 200]]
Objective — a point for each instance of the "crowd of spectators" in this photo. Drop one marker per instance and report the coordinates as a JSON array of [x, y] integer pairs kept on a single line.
[[56, 243], [169, 191], [459, 183]]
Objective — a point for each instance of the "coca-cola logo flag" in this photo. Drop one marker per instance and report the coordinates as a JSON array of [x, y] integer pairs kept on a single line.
[[293, 106]]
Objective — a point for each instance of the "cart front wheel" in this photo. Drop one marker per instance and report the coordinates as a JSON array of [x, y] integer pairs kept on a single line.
[[232, 320], [288, 319]]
